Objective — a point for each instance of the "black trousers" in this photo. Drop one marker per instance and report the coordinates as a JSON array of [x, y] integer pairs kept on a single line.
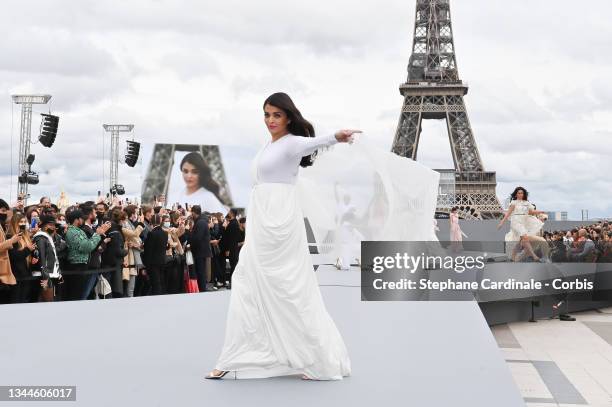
[[24, 290], [142, 286], [201, 265], [157, 279], [173, 280], [233, 260], [74, 283], [217, 263]]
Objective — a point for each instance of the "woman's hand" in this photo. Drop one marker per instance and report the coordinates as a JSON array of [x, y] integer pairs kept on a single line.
[[500, 224], [102, 229], [44, 283], [15, 238], [346, 135]]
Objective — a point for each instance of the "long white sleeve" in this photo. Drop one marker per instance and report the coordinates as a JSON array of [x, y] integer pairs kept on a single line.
[[302, 146], [279, 161]]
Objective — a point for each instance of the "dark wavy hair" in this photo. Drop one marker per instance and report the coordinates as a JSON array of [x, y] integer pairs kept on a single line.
[[204, 173], [513, 194], [298, 125]]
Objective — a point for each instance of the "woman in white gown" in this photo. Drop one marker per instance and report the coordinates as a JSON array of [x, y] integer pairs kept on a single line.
[[277, 323], [523, 224]]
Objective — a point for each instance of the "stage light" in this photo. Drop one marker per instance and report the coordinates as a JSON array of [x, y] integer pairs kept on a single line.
[[28, 177], [131, 155], [30, 159], [117, 190], [48, 129]]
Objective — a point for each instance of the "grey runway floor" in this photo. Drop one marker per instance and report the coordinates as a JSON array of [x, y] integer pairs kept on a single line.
[[155, 351]]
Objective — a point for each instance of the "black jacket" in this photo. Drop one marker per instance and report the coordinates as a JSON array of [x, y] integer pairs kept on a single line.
[[115, 249], [46, 257], [154, 253], [232, 236], [19, 261], [200, 239]]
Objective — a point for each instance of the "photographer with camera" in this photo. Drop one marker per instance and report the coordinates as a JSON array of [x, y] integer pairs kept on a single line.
[[154, 257], [22, 254], [115, 252], [80, 248], [200, 246], [48, 267]]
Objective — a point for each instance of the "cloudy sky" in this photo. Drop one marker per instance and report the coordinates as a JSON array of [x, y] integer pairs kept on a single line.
[[198, 72]]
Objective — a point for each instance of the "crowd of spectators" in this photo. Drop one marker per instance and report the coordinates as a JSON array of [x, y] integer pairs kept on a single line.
[[95, 250], [590, 244]]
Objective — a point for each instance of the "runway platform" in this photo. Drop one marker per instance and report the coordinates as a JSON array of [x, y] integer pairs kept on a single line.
[[155, 351]]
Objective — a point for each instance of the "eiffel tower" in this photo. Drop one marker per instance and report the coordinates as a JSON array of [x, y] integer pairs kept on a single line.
[[434, 91]]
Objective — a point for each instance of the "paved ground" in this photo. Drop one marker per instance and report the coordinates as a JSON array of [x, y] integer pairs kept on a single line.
[[558, 363]]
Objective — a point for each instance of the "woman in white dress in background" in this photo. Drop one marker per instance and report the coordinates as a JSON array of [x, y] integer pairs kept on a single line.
[[523, 224], [200, 188], [277, 322], [456, 235], [348, 239]]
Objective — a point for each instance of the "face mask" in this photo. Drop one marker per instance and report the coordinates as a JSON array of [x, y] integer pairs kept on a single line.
[[22, 228], [166, 225], [2, 217]]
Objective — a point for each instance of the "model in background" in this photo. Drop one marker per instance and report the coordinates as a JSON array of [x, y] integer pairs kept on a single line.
[[523, 224], [348, 236], [277, 323], [456, 234]]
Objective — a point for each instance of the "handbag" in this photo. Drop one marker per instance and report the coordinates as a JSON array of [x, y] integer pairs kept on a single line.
[[137, 258], [102, 287], [189, 258]]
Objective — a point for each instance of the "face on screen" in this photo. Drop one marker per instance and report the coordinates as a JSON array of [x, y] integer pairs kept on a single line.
[[191, 176]]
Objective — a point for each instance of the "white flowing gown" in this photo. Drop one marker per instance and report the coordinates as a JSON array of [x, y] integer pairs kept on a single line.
[[521, 224], [277, 323]]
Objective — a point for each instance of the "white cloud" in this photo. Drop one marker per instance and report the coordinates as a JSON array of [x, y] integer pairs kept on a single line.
[[198, 71]]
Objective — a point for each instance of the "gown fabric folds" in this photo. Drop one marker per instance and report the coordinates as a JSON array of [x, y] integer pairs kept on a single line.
[[521, 224], [277, 322]]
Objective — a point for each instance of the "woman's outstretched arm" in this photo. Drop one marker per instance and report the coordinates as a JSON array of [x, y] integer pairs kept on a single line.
[[506, 216], [302, 146]]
